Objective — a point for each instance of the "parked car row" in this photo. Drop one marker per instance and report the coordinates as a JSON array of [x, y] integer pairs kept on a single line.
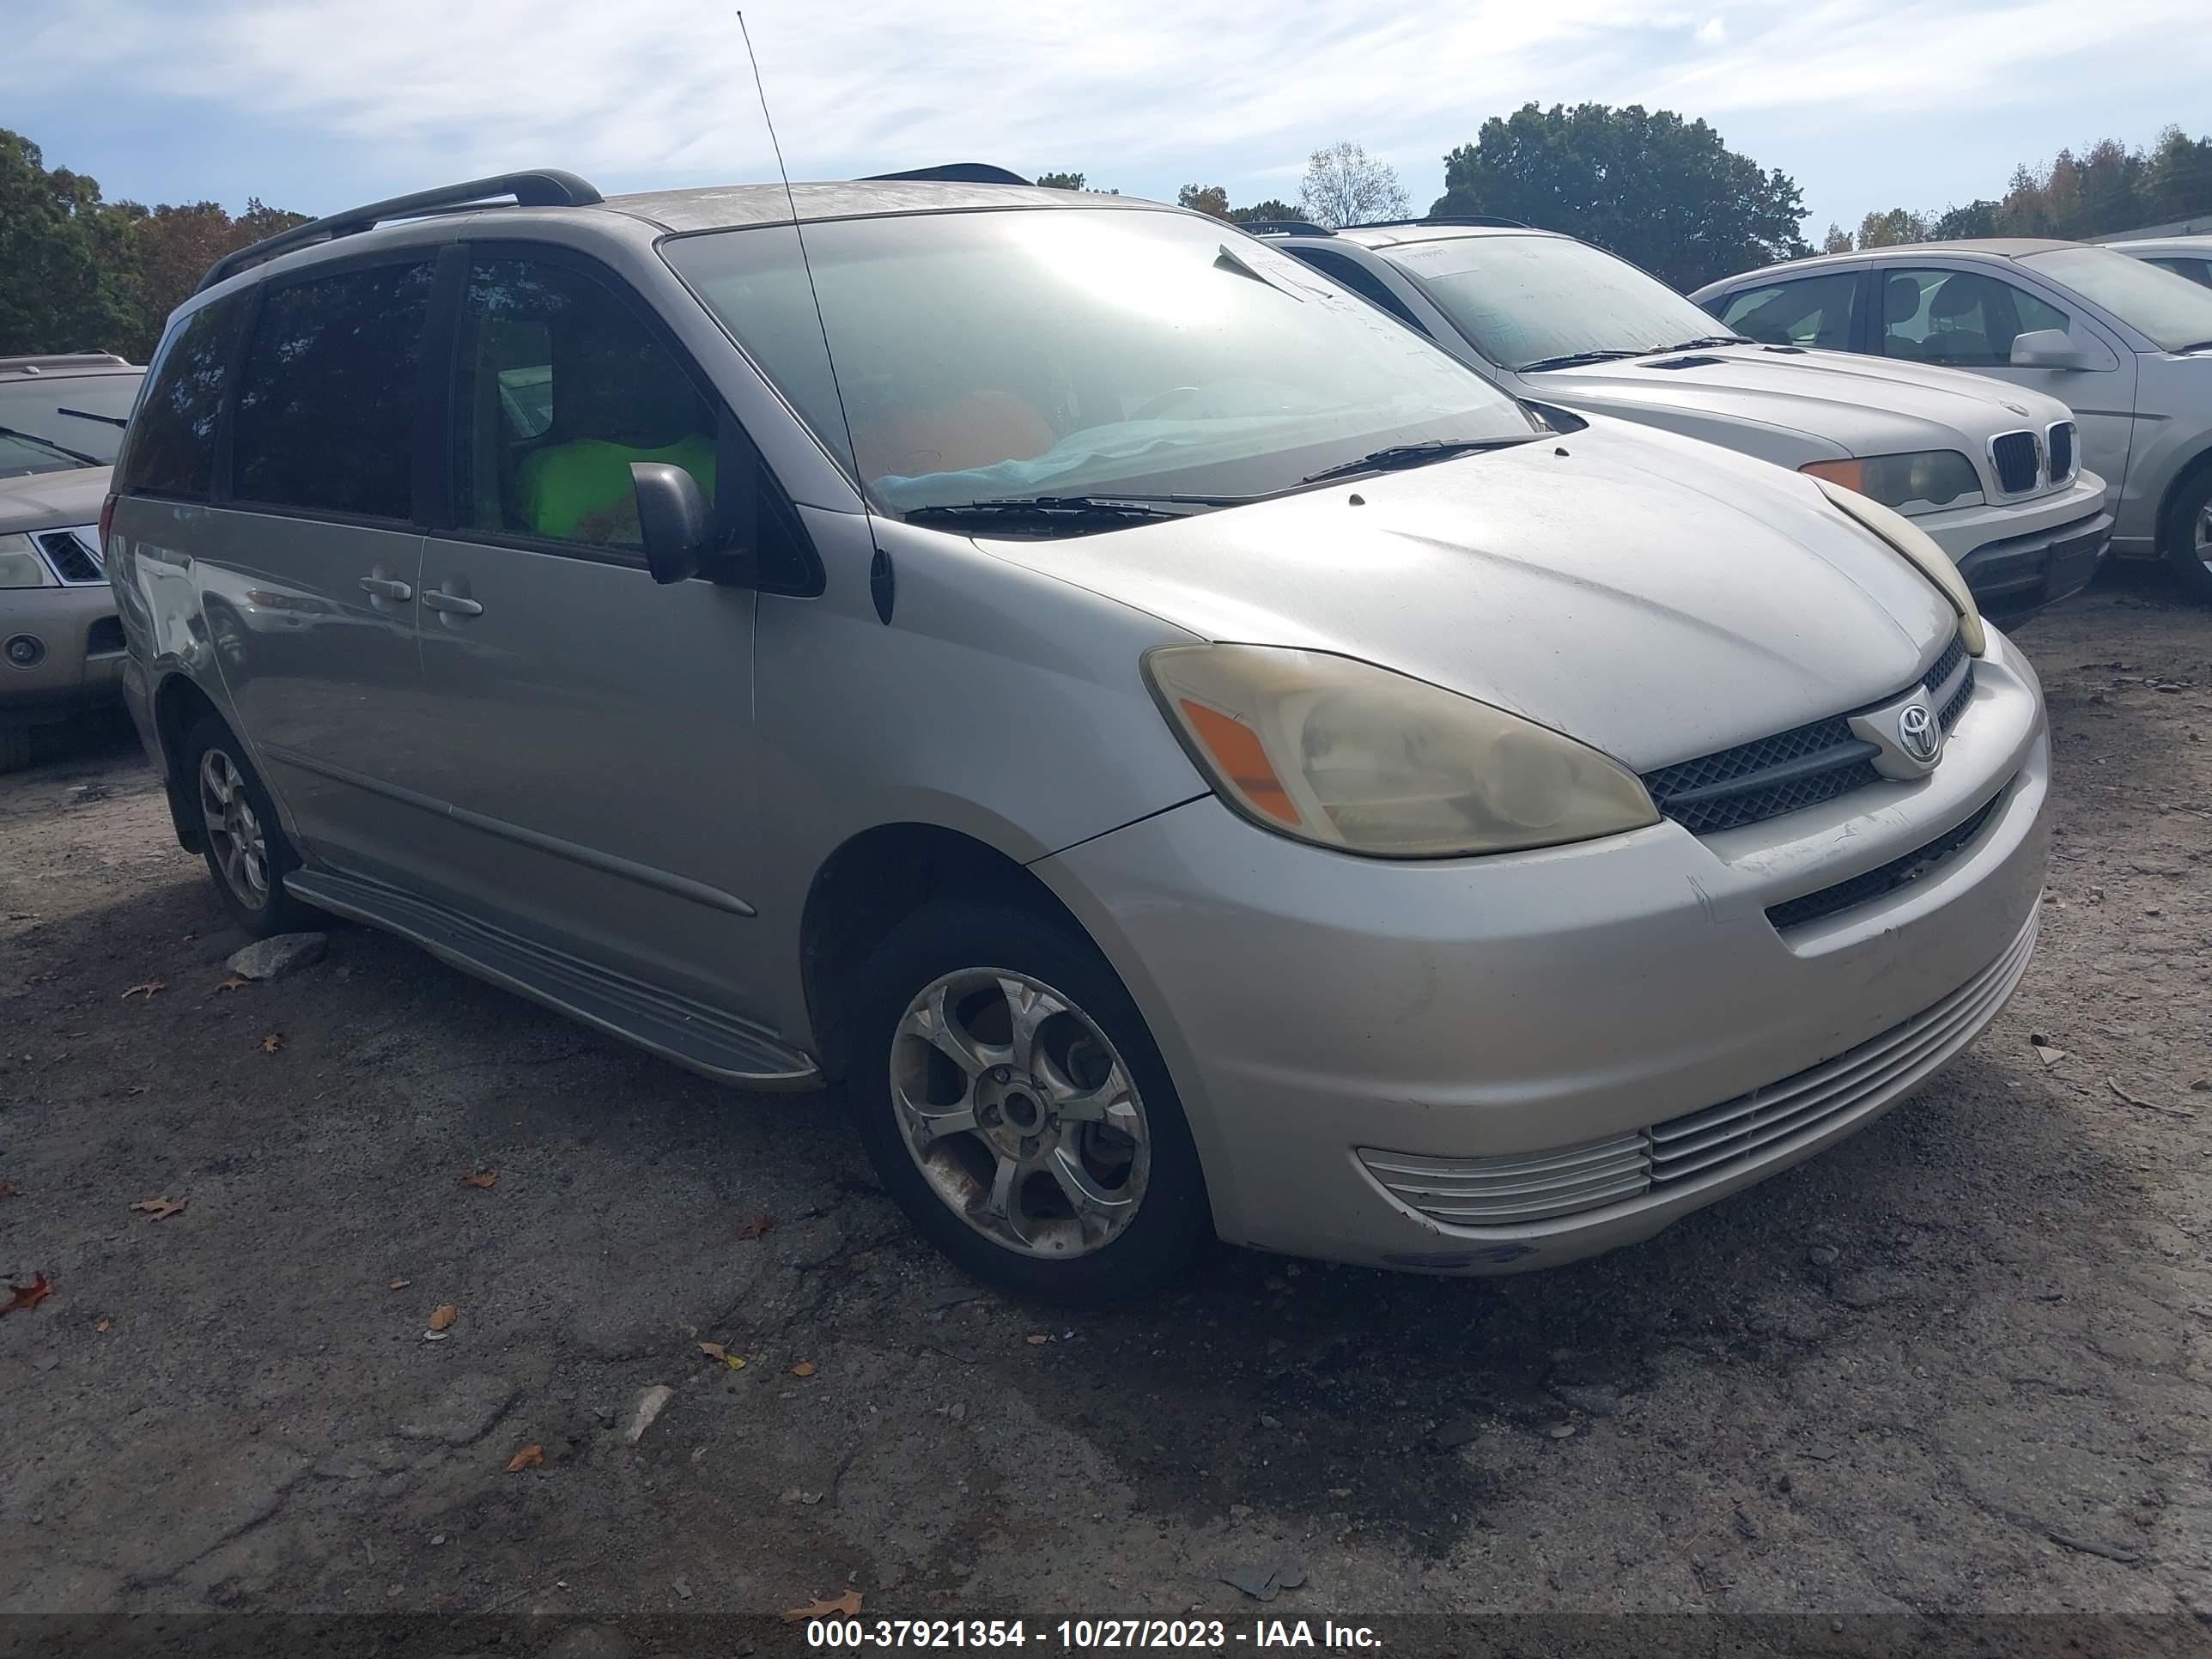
[[1186, 755]]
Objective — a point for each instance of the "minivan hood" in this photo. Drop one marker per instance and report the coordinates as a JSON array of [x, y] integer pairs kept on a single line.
[[48, 501], [1651, 595], [1869, 405]]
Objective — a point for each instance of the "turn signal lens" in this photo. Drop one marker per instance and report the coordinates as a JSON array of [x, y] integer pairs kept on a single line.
[[21, 565], [1924, 481], [1918, 546], [1341, 753]]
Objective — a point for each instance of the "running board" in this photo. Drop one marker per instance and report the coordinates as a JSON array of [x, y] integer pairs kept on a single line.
[[692, 1035]]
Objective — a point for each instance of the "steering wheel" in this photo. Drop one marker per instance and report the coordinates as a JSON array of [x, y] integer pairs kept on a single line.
[[1152, 408]]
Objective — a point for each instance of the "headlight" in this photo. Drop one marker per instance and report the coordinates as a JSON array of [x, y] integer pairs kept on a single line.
[[1342, 753], [1917, 545], [21, 565], [1923, 482]]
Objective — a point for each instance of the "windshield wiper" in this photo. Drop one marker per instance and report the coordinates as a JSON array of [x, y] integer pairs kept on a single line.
[[1104, 512], [1398, 456], [1708, 340], [2200, 345], [86, 415], [1576, 359], [76, 455]]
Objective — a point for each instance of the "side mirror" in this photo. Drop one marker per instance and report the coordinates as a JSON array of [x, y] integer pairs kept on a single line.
[[672, 519], [2047, 348]]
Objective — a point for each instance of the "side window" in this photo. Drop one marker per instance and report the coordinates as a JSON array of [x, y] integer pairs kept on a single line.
[[1960, 318], [326, 416], [1810, 311], [1363, 282], [2197, 270], [560, 386], [170, 450]]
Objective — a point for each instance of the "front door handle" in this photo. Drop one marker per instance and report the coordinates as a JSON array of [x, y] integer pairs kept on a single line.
[[455, 604], [384, 588]]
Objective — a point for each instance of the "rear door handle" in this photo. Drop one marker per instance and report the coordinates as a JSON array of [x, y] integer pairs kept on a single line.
[[384, 588], [453, 602]]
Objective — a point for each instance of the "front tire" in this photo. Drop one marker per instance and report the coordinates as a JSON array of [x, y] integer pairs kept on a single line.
[[1014, 1104], [247, 850], [2189, 536]]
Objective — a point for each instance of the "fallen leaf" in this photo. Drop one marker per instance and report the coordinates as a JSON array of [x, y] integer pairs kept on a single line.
[[235, 982], [846, 1606], [101, 1327], [159, 1209], [272, 1042], [10, 1189], [443, 1315], [399, 1284], [147, 990], [1039, 1341], [736, 1362], [483, 1180], [758, 1227], [804, 1368], [2049, 1056], [528, 1458], [27, 1296], [714, 1351]]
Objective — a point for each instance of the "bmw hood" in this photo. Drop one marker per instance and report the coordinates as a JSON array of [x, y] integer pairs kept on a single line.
[[1652, 596], [1862, 405]]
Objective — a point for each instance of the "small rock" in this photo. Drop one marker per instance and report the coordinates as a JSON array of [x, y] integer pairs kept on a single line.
[[1594, 1400], [650, 1404], [1561, 1430], [959, 1412], [273, 958], [589, 1642], [1267, 1422], [1238, 1511], [1824, 1255], [683, 1589]]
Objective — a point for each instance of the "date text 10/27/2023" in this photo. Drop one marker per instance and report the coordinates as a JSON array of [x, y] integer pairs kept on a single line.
[[1089, 1634]]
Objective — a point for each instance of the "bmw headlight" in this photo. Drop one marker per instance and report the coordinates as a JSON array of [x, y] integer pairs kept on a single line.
[[1341, 753], [21, 565], [1921, 549], [1925, 481]]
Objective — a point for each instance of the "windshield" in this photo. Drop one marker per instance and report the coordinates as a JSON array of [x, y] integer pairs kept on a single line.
[[999, 355], [1523, 300], [2173, 310], [38, 435]]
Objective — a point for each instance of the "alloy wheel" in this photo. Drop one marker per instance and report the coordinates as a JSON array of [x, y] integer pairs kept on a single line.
[[2204, 536], [233, 829], [1021, 1115]]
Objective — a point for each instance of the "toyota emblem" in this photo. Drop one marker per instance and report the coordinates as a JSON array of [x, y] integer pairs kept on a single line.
[[1917, 733]]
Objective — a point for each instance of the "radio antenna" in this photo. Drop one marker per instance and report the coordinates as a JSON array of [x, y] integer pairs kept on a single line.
[[821, 322]]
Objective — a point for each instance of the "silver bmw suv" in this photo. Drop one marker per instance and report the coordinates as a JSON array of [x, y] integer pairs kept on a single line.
[[1187, 756]]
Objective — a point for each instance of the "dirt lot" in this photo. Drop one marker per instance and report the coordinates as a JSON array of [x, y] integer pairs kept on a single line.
[[1955, 1365]]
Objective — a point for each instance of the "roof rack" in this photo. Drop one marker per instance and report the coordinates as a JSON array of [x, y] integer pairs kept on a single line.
[[1487, 221], [50, 361], [1286, 227], [951, 172], [541, 187]]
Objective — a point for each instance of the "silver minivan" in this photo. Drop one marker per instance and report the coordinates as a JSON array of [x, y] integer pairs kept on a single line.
[[1186, 756]]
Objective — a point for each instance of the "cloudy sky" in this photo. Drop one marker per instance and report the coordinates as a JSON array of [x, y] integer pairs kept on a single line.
[[315, 105]]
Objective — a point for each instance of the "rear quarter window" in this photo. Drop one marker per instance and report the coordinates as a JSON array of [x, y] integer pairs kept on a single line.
[[170, 449]]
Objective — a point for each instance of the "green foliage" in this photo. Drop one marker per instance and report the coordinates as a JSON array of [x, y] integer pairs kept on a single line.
[[1977, 218], [1059, 181], [1894, 228], [1653, 188], [1270, 211], [2106, 188], [81, 274], [1206, 199]]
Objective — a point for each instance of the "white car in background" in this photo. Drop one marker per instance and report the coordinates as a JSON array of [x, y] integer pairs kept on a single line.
[[2129, 346], [1993, 476], [2185, 256]]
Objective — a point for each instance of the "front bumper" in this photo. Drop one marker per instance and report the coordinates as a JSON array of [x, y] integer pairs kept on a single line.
[[2020, 558], [1314, 1007], [81, 653]]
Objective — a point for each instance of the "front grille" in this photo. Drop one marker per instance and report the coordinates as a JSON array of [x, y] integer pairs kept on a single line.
[[2014, 456], [1882, 879], [70, 553], [1800, 768], [104, 637], [2061, 452], [1766, 1125]]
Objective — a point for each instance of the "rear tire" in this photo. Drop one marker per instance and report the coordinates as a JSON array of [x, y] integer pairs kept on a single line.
[[2189, 536], [244, 842], [14, 748], [1074, 1179]]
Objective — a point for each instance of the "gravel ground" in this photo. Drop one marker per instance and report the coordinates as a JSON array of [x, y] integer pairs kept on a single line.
[[1954, 1366]]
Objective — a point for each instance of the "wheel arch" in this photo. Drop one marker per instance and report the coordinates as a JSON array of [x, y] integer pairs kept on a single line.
[[2186, 476], [178, 705]]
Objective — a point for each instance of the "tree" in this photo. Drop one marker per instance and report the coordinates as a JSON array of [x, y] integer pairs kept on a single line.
[[62, 287], [1977, 218], [1894, 228], [1345, 185], [1270, 211], [1837, 241], [1059, 181], [1663, 193], [2176, 182], [1206, 199]]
